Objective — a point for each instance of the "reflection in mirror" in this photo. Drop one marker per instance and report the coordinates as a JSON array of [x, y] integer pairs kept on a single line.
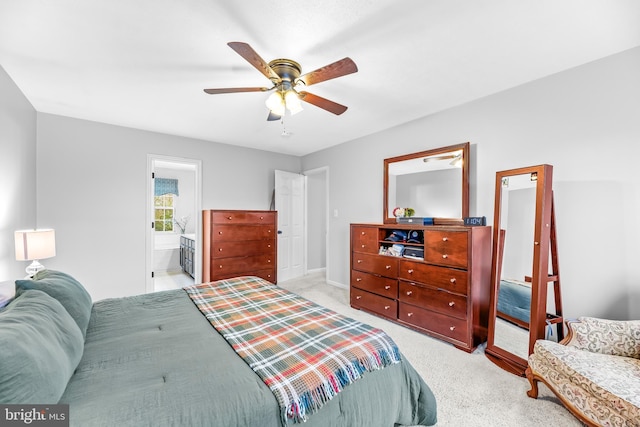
[[433, 183], [517, 226]]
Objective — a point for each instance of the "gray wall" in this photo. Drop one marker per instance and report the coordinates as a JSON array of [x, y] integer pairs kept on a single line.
[[585, 122], [92, 187], [17, 173]]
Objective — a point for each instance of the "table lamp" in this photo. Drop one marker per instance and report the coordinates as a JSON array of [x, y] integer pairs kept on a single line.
[[34, 245]]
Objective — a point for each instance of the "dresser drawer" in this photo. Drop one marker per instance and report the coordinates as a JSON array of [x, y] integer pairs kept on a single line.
[[434, 299], [232, 248], [242, 265], [376, 284], [377, 264], [441, 324], [242, 217], [365, 239], [375, 303], [445, 278], [230, 232], [268, 274], [446, 247]]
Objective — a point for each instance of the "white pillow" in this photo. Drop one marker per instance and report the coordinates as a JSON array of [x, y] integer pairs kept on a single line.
[[7, 292]]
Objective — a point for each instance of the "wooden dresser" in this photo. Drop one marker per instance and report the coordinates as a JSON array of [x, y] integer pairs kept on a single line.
[[445, 295], [239, 243]]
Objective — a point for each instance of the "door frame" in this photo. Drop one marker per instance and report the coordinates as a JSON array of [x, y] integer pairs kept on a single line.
[[149, 246]]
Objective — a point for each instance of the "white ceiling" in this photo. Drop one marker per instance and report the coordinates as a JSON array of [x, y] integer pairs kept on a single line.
[[144, 63]]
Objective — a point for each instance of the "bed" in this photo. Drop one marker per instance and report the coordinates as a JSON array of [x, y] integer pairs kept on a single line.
[[156, 360], [514, 302]]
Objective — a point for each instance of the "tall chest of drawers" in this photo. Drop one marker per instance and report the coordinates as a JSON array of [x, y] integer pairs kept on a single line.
[[444, 294], [239, 243]]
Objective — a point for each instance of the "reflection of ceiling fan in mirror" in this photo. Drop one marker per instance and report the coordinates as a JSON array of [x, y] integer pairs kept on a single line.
[[455, 157], [288, 83]]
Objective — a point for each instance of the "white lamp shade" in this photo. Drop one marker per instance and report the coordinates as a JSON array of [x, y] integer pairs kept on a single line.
[[35, 244]]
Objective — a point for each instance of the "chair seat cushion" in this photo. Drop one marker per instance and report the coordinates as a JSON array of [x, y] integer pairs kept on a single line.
[[605, 388]]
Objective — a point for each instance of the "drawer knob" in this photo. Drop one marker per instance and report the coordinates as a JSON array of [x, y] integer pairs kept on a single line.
[[452, 280], [229, 218], [444, 239], [363, 246], [358, 296], [387, 287], [451, 303], [269, 245], [410, 271], [359, 279], [220, 266], [445, 256], [359, 261], [387, 307], [452, 328], [387, 267], [219, 249], [409, 314], [261, 217], [362, 233], [409, 292], [268, 261], [220, 232]]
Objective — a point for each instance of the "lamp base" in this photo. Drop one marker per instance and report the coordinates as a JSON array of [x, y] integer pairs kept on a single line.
[[34, 267]]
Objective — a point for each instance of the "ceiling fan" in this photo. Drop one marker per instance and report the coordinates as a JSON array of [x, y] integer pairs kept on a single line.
[[288, 83]]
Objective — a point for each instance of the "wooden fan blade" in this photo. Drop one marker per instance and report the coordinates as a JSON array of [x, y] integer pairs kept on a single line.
[[252, 57], [273, 116], [323, 103], [235, 90], [337, 69]]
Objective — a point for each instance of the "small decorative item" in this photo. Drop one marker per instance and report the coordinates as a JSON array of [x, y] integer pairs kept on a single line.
[[408, 212], [398, 212], [182, 223]]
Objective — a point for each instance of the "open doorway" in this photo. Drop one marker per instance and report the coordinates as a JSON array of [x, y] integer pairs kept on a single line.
[[174, 200], [317, 212]]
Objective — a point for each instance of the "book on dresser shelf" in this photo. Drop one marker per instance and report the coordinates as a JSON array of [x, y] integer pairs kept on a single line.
[[440, 285]]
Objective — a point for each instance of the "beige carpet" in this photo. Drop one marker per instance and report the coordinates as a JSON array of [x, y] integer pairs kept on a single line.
[[470, 390]]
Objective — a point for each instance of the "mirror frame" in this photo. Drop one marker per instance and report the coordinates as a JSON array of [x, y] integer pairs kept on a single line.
[[540, 268], [442, 150]]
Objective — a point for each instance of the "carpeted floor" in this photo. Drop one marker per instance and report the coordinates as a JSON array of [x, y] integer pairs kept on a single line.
[[470, 390]]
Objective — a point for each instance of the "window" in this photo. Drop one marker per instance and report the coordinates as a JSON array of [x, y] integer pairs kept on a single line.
[[163, 215]]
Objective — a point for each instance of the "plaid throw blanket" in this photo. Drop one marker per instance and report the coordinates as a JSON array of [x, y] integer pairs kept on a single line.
[[303, 352]]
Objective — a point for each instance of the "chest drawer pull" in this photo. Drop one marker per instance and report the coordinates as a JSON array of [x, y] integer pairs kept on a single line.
[[358, 296], [220, 266], [362, 233], [409, 292], [452, 328], [387, 287], [445, 256], [261, 217], [451, 303], [387, 267], [387, 307], [444, 239], [363, 246], [229, 218], [452, 280], [409, 314], [359, 279], [359, 261], [410, 271], [219, 249], [220, 233]]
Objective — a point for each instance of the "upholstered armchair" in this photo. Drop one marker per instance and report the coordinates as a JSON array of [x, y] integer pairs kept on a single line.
[[595, 371]]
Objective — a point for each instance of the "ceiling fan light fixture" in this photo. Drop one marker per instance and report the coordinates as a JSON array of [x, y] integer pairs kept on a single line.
[[275, 103], [292, 102]]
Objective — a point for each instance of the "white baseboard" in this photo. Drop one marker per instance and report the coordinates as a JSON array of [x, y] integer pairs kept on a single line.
[[317, 270], [337, 284]]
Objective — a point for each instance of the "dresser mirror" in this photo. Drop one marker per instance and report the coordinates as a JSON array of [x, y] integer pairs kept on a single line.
[[434, 183], [521, 266]]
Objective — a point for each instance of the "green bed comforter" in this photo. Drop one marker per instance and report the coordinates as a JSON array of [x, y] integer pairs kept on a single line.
[[154, 360]]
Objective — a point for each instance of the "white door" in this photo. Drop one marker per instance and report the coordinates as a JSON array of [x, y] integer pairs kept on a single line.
[[289, 200]]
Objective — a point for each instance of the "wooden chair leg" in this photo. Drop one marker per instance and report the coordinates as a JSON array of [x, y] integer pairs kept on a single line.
[[534, 383]]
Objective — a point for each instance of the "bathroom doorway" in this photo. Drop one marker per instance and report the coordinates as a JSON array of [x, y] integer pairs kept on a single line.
[[174, 200]]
